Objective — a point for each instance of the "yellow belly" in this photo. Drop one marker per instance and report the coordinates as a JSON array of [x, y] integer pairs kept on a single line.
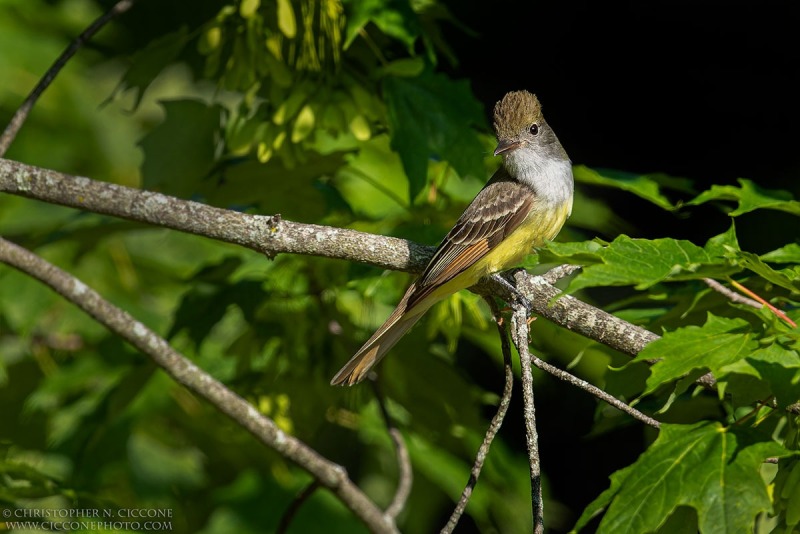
[[538, 227]]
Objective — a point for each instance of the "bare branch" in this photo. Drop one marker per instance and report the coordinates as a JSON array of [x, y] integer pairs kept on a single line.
[[269, 235], [564, 310], [593, 390], [182, 370], [519, 334], [298, 501], [405, 475], [758, 298], [22, 112], [582, 318], [731, 294], [557, 273], [494, 426]]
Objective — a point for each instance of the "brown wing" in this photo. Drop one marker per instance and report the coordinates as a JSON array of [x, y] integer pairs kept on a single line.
[[495, 212]]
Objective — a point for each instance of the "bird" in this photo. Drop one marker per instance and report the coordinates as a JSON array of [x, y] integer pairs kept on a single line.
[[523, 205]]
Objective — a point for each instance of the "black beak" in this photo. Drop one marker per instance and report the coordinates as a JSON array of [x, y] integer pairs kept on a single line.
[[506, 145]]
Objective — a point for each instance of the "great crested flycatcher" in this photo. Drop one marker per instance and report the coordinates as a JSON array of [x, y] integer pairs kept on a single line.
[[524, 204]]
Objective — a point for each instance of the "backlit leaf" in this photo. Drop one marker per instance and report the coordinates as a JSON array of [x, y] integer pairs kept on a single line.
[[286, 19], [433, 117], [395, 18], [179, 152]]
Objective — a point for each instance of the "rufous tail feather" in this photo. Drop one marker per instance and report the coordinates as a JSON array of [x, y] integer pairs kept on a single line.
[[376, 347]]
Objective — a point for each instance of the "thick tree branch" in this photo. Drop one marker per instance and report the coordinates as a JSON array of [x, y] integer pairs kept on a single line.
[[582, 318], [549, 302], [182, 370], [519, 334], [494, 426], [270, 235], [22, 112]]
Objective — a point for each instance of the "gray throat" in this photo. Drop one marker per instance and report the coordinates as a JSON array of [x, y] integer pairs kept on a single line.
[[550, 177]]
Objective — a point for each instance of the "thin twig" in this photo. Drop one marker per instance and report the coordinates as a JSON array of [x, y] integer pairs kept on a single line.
[[593, 390], [298, 501], [405, 475], [494, 426], [22, 112], [182, 370], [754, 412], [557, 273], [519, 334], [732, 295], [772, 308]]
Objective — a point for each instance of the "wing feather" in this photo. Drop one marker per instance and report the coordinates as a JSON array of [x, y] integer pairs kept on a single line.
[[496, 211]]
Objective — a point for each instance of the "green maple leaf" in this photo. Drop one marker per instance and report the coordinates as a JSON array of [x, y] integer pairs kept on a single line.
[[749, 197], [646, 186], [788, 254], [433, 117], [706, 466], [776, 365], [640, 262], [179, 152], [395, 18], [788, 278], [719, 342]]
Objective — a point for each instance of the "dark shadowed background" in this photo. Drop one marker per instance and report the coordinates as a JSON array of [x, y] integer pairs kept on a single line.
[[705, 90]]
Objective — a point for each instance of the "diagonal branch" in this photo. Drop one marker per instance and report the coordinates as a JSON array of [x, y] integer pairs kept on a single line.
[[298, 501], [181, 369], [22, 112], [494, 426], [593, 390]]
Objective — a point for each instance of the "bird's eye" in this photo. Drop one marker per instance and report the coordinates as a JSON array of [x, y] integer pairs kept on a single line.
[[534, 129]]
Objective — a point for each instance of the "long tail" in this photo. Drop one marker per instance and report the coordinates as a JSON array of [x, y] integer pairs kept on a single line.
[[380, 343]]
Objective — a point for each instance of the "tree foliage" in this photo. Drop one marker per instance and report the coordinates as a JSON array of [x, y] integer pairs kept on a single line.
[[339, 113]]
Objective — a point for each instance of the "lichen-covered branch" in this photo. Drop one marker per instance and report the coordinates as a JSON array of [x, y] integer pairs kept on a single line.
[[181, 369], [268, 235]]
